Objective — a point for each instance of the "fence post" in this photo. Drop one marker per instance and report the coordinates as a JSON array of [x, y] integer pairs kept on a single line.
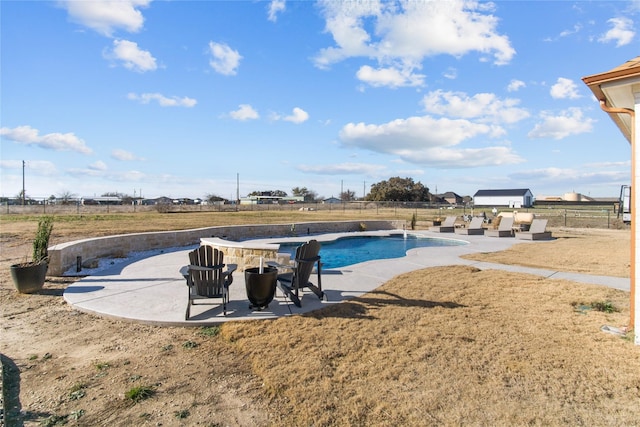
[[565, 217]]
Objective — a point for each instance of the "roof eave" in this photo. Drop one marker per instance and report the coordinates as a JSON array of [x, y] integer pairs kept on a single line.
[[604, 85]]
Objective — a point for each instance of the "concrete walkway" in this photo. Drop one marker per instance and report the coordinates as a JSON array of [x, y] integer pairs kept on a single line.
[[151, 290]]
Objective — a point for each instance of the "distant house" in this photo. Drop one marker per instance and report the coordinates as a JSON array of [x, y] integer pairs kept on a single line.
[[451, 198], [157, 201], [102, 200], [331, 200], [266, 198], [512, 198]]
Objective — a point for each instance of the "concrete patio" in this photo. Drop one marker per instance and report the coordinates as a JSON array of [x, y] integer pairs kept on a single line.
[[151, 290]]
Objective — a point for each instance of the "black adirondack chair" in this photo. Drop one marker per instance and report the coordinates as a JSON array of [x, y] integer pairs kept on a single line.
[[290, 283], [206, 277]]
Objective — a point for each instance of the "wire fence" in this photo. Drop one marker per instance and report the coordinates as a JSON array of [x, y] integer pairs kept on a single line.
[[420, 214]]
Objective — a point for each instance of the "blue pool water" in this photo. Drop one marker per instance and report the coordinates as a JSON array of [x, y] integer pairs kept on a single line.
[[352, 250]]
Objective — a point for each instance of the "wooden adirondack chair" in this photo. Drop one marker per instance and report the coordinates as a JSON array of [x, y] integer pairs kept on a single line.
[[206, 278], [307, 256]]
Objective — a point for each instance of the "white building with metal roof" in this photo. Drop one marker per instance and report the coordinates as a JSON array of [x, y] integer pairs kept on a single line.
[[512, 198]]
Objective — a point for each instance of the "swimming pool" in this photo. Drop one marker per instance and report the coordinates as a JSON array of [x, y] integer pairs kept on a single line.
[[353, 250]]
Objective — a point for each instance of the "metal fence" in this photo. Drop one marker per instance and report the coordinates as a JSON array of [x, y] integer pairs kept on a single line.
[[421, 214]]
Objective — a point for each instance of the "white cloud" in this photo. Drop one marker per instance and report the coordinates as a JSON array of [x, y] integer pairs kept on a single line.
[[163, 101], [98, 166], [410, 172], [464, 157], [244, 112], [275, 7], [428, 141], [391, 77], [132, 57], [515, 85], [298, 116], [570, 122], [600, 165], [98, 170], [412, 133], [343, 169], [576, 29], [37, 167], [564, 89], [124, 155], [485, 107], [405, 33], [451, 73], [621, 33], [55, 141], [572, 178], [224, 59], [106, 16]]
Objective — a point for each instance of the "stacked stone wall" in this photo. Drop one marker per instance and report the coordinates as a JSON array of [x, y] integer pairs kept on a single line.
[[64, 256]]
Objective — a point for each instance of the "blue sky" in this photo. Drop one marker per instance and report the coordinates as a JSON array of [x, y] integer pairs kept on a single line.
[[180, 98]]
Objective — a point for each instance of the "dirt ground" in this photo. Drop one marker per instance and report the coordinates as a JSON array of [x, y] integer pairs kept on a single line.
[[441, 346]]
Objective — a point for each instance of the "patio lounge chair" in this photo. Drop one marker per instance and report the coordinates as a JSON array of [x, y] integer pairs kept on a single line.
[[447, 226], [307, 256], [475, 227], [206, 278], [537, 231], [504, 228]]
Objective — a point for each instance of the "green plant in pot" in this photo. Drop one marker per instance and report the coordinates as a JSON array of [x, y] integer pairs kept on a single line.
[[30, 276]]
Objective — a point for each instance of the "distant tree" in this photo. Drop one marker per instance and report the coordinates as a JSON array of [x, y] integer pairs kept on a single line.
[[398, 189], [66, 197], [274, 193], [22, 197], [299, 192], [309, 195], [213, 198], [347, 196], [124, 198]]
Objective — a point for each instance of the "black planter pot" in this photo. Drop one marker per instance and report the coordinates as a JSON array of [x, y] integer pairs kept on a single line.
[[261, 287], [29, 278]]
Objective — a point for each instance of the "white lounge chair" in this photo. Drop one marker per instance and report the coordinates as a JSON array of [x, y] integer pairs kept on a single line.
[[475, 227], [504, 228], [447, 226], [537, 231]]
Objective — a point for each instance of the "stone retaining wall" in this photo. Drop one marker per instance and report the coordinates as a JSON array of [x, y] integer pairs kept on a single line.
[[64, 256], [247, 254]]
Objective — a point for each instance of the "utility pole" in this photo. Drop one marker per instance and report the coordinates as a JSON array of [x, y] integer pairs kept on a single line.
[[23, 190], [237, 191]]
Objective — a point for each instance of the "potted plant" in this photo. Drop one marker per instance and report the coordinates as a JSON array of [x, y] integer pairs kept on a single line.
[[30, 276]]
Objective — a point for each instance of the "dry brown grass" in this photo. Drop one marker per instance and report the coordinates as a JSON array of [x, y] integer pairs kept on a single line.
[[486, 348], [440, 346], [592, 251]]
